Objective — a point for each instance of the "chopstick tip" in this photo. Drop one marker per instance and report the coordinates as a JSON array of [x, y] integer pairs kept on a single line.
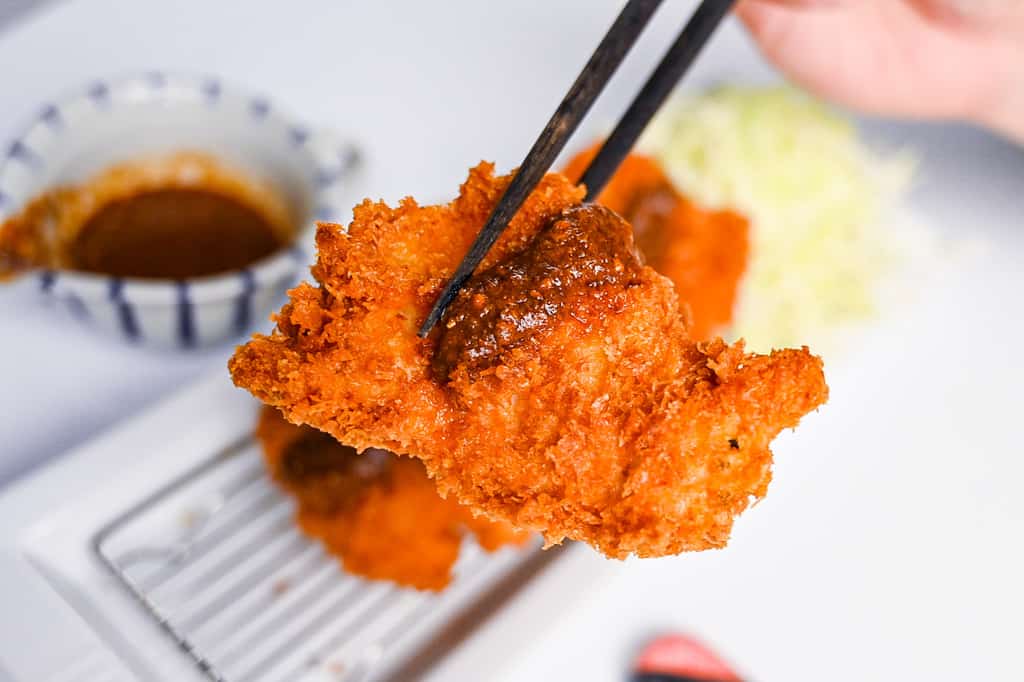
[[428, 324]]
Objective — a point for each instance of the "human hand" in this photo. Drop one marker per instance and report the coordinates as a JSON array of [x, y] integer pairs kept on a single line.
[[941, 59]]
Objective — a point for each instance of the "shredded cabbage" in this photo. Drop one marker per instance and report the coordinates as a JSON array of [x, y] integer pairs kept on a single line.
[[818, 198]]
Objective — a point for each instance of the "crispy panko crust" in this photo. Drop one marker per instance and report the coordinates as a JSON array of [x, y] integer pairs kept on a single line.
[[380, 514], [609, 426], [703, 252]]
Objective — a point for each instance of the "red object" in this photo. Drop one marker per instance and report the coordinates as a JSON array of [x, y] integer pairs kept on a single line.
[[682, 657]]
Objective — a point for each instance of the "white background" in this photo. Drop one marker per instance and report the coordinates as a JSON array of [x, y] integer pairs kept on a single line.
[[890, 544]]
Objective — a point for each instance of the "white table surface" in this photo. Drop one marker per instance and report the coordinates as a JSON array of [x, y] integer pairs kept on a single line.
[[890, 545]]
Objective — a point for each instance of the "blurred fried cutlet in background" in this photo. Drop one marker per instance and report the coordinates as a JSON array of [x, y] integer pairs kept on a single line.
[[378, 513]]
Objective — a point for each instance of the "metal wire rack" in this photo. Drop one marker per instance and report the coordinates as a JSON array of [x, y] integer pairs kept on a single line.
[[214, 558]]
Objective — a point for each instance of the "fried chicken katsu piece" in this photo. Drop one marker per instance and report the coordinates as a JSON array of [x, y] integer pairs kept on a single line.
[[322, 474], [703, 252], [378, 513], [561, 393]]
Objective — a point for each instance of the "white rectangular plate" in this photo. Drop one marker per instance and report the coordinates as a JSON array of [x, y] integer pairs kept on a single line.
[[69, 616]]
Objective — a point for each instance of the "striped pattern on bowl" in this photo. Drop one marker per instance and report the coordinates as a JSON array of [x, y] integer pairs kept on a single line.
[[112, 121]]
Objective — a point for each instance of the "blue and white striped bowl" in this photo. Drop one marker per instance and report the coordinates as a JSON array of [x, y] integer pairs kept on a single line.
[[124, 119]]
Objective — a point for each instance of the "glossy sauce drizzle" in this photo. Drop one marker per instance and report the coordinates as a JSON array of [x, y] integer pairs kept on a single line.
[[586, 252]]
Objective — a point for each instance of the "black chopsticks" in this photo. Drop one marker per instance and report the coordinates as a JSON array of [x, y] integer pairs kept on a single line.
[[589, 84], [576, 103], [656, 90]]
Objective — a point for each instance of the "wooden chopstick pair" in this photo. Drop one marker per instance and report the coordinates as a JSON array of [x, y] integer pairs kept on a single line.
[[575, 105]]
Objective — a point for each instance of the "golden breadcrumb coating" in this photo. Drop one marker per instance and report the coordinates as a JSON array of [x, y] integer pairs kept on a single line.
[[380, 514], [595, 418], [703, 252]]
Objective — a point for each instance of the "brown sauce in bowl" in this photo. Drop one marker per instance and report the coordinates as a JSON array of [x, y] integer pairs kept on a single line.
[[174, 217], [172, 233]]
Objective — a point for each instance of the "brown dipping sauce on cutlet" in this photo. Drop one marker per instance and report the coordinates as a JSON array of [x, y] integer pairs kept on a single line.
[[325, 474], [587, 251]]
